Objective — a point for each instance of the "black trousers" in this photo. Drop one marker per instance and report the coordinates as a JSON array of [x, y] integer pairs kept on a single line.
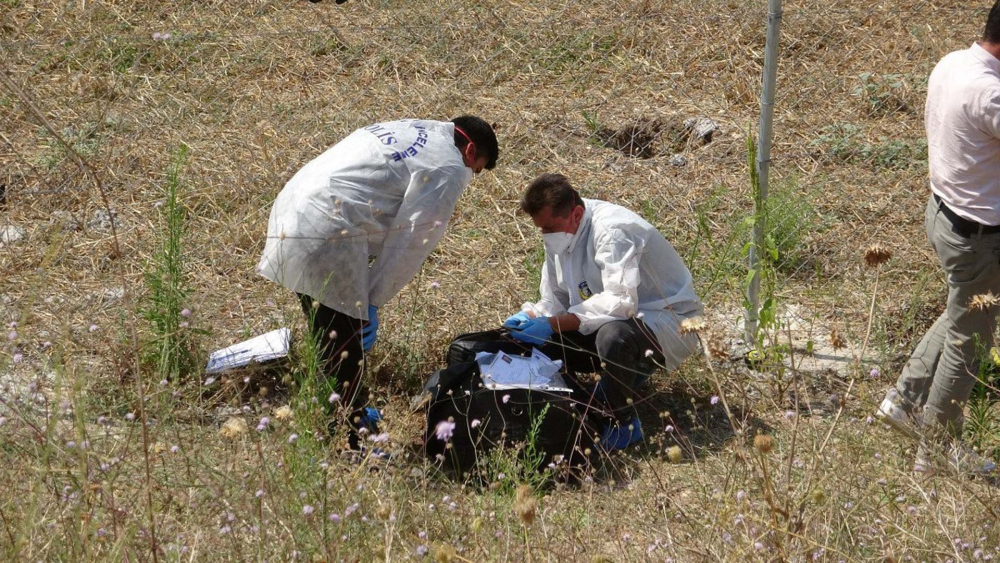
[[340, 350], [625, 353]]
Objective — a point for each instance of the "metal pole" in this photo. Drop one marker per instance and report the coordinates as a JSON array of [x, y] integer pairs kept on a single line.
[[763, 162]]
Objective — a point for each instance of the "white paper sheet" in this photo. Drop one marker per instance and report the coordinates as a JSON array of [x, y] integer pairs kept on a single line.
[[503, 371], [269, 346]]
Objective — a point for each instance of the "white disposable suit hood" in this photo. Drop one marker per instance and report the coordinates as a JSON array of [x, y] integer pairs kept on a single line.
[[386, 191]]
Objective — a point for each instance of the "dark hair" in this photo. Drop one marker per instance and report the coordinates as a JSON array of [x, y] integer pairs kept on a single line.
[[992, 32], [482, 136], [553, 191]]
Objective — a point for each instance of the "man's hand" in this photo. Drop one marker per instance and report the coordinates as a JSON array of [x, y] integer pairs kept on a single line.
[[535, 331], [517, 320]]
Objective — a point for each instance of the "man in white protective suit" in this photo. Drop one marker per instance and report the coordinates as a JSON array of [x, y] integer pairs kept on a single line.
[[354, 225], [613, 295]]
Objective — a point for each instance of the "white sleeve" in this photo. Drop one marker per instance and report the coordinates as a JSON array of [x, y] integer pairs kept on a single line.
[[419, 225], [555, 299], [617, 254]]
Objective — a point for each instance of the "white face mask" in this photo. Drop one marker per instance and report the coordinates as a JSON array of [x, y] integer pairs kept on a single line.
[[556, 243]]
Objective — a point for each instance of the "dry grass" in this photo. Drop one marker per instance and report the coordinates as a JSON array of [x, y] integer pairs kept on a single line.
[[256, 89]]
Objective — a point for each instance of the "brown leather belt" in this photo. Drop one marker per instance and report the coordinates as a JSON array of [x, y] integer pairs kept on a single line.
[[962, 226]]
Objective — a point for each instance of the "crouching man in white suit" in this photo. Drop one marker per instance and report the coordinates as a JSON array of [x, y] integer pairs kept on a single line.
[[613, 295]]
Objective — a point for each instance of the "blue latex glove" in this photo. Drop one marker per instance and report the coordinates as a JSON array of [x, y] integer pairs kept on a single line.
[[370, 419], [370, 332], [535, 331], [517, 320]]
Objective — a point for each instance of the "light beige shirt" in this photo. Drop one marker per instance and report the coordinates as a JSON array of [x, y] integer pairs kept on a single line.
[[963, 133]]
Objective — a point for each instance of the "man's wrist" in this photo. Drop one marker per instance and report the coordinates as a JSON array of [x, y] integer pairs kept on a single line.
[[565, 322]]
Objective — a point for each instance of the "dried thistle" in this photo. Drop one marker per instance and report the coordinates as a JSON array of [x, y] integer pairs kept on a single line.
[[283, 413], [836, 340], [525, 505], [523, 493], [675, 454], [234, 428], [693, 325], [445, 553], [876, 255], [763, 443], [984, 301], [717, 347]]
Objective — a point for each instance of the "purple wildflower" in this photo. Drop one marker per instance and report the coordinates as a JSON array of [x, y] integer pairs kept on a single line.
[[263, 424], [444, 430]]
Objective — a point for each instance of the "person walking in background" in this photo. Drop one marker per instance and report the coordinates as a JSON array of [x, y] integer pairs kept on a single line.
[[962, 220], [353, 226]]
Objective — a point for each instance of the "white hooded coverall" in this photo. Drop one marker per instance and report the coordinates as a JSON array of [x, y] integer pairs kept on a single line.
[[619, 266], [388, 191]]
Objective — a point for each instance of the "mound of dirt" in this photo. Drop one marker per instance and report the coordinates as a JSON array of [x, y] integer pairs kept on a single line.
[[649, 137]]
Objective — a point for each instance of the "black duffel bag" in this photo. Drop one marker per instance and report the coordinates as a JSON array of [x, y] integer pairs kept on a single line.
[[465, 347], [485, 419]]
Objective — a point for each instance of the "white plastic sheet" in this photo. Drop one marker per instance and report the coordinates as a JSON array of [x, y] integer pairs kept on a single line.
[[503, 371], [269, 346]]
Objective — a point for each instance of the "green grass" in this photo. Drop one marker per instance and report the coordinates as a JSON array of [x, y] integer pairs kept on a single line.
[[85, 140], [845, 142], [882, 95], [172, 346], [257, 90]]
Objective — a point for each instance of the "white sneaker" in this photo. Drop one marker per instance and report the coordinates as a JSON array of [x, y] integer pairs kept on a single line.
[[958, 460], [895, 412]]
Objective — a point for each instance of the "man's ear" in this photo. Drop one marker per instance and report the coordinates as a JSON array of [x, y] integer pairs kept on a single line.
[[577, 216], [469, 152]]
